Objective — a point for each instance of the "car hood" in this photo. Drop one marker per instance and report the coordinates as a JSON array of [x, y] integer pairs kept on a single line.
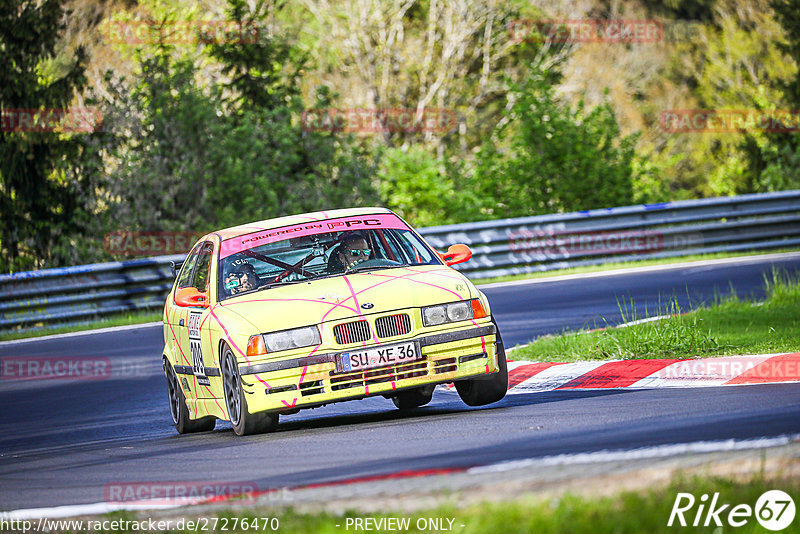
[[342, 297]]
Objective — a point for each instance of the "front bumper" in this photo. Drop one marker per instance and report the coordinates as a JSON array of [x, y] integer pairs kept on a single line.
[[309, 381]]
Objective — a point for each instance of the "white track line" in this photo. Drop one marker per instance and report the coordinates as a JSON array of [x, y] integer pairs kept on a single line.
[[659, 451], [81, 509], [82, 333]]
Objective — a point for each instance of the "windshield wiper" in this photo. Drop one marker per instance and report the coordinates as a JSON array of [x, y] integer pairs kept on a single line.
[[365, 268], [270, 285]]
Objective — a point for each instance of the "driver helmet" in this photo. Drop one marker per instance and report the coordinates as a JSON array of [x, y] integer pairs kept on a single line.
[[241, 274]]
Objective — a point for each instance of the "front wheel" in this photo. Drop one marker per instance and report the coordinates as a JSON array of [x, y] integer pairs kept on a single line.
[[178, 409], [243, 422], [479, 392], [413, 398]]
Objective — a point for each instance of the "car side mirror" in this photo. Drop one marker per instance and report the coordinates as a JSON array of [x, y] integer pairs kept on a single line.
[[458, 253], [190, 297], [175, 267]]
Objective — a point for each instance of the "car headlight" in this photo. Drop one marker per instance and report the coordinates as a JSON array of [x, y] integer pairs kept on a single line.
[[452, 312], [286, 339]]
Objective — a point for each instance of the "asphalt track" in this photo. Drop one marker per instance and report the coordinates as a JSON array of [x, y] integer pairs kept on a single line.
[[64, 442]]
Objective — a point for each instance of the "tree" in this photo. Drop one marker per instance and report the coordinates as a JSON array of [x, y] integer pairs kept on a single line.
[[736, 62], [773, 158], [421, 188], [197, 158], [443, 54], [164, 127], [39, 205], [549, 157]]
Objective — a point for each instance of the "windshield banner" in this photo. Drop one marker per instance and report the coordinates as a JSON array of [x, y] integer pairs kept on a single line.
[[263, 237]]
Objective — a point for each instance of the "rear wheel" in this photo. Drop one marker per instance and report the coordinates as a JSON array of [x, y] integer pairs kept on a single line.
[[178, 409], [413, 398], [243, 422], [479, 392]]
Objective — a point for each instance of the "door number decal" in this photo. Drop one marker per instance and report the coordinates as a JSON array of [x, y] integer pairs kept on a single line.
[[198, 368]]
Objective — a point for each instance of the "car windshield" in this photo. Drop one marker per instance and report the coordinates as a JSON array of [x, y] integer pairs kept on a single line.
[[317, 255]]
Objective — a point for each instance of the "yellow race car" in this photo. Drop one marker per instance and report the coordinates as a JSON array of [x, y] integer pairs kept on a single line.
[[271, 317]]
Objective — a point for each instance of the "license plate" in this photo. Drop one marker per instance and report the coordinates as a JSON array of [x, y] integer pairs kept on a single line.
[[368, 358]]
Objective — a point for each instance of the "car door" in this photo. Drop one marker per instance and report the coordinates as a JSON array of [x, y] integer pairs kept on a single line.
[[193, 322], [175, 320]]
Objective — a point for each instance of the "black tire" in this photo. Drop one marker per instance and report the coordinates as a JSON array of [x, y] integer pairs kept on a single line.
[[244, 423], [479, 392], [178, 409], [413, 398]]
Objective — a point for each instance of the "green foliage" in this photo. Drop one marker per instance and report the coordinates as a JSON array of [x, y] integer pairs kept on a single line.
[[419, 187], [549, 157], [169, 126], [739, 62], [788, 15], [263, 73], [773, 159], [682, 9], [39, 204]]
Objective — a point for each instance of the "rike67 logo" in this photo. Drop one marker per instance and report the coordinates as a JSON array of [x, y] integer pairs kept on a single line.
[[774, 510]]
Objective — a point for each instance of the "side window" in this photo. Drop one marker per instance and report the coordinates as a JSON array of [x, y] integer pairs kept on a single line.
[[202, 268], [188, 265], [392, 252]]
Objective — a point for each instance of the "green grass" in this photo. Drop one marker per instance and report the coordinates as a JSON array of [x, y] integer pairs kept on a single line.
[[626, 265], [121, 319], [731, 326], [631, 512]]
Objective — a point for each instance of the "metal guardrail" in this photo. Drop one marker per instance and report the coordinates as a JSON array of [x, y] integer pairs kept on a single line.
[[38, 299]]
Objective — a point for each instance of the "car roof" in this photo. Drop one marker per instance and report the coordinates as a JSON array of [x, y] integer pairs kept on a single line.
[[268, 224]]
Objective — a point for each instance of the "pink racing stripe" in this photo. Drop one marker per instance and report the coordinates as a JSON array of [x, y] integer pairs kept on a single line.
[[390, 278], [619, 374], [354, 296], [230, 340], [317, 301], [416, 281], [185, 359], [783, 368], [520, 374], [211, 344]]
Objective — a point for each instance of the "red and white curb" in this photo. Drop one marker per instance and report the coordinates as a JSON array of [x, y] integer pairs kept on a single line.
[[528, 377]]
